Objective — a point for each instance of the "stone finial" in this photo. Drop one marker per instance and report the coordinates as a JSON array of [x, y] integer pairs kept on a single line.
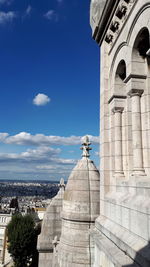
[[55, 241], [86, 147], [62, 183]]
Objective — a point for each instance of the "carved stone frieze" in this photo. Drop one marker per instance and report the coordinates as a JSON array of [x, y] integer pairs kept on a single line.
[[101, 10]]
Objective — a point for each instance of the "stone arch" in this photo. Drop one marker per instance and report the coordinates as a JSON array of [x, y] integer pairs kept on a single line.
[[139, 52], [140, 22], [118, 57], [141, 44], [139, 30], [118, 64]]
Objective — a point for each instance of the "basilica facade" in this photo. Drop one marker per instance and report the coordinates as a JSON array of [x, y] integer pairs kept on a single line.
[[121, 28]]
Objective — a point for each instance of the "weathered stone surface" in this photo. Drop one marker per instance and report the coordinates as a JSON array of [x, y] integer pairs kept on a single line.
[[51, 227]]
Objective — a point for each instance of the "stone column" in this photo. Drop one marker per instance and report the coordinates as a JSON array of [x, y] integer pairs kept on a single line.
[[135, 95], [118, 142]]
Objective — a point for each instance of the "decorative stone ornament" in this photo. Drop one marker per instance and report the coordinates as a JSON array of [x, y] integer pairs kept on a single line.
[[86, 146], [121, 11], [109, 38], [62, 183], [114, 26]]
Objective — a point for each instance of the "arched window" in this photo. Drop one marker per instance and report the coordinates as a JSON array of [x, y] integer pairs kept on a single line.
[[141, 44], [121, 70], [119, 78]]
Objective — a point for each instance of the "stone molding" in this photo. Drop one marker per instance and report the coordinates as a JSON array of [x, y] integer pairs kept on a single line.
[[116, 96], [108, 29], [102, 24], [135, 76]]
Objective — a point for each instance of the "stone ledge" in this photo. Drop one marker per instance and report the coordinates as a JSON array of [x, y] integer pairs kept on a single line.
[[116, 255], [129, 243]]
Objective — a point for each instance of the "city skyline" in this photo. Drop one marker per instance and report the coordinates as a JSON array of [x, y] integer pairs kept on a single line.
[[50, 92]]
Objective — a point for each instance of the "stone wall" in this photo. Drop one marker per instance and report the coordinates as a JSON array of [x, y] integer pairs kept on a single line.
[[123, 228]]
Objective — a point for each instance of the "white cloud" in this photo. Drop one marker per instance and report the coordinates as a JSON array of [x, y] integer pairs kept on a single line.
[[25, 138], [51, 15], [5, 2], [7, 16], [41, 100], [32, 156], [28, 10]]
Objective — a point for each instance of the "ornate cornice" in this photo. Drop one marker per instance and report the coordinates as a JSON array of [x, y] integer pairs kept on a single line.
[[109, 17], [101, 13]]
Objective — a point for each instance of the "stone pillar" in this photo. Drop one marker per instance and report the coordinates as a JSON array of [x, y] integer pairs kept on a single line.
[[118, 142], [135, 95]]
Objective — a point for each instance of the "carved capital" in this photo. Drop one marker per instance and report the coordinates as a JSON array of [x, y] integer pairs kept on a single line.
[[135, 92], [117, 109]]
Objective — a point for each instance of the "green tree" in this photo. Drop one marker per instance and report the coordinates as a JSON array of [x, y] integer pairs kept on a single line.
[[22, 238]]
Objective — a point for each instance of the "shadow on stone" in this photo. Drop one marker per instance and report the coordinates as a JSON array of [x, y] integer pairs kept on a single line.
[[142, 258]]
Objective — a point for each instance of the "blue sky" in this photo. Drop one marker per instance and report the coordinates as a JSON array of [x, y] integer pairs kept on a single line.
[[49, 82]]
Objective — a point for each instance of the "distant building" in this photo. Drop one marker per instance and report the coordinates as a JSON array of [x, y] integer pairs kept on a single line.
[[4, 255]]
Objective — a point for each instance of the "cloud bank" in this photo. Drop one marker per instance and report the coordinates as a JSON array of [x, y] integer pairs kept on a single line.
[[24, 138], [40, 159]]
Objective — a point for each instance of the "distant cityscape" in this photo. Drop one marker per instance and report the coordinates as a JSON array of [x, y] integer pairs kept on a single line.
[[18, 188], [28, 194], [24, 197]]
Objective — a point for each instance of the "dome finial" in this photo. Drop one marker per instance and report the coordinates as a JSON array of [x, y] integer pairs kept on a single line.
[[86, 147], [61, 183]]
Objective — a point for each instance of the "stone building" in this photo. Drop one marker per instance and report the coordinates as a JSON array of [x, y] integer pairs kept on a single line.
[[5, 258], [122, 231]]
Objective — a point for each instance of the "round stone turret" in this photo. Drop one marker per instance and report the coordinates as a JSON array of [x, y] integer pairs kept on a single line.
[[80, 209]]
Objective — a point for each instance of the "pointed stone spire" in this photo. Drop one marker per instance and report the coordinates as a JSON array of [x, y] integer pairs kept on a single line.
[[86, 146]]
